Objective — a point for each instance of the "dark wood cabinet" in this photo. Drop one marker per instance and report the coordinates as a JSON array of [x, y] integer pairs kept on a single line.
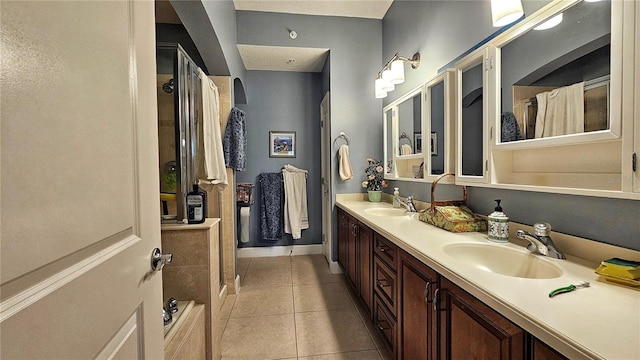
[[542, 351], [352, 248], [469, 329], [343, 238], [417, 315], [365, 258]]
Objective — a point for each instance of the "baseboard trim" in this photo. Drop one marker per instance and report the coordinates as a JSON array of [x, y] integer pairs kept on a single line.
[[335, 268], [287, 250], [237, 283]]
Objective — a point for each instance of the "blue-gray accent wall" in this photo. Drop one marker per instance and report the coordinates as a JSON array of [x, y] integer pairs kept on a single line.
[[442, 30], [284, 101]]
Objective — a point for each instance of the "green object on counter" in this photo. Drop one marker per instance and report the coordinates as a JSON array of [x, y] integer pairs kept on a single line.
[[567, 289]]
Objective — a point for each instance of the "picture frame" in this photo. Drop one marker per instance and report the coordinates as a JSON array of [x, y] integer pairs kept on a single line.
[[434, 143], [417, 141], [282, 144]]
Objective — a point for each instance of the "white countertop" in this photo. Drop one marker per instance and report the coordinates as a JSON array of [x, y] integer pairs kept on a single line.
[[598, 322]]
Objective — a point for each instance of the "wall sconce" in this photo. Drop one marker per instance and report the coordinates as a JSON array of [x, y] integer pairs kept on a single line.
[[504, 12], [392, 74]]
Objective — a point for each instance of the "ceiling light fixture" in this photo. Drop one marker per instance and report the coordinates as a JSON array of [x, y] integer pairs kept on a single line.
[[392, 74], [504, 12]]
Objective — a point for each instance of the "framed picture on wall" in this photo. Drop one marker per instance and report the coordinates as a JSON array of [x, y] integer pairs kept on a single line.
[[282, 144], [417, 140], [434, 143]]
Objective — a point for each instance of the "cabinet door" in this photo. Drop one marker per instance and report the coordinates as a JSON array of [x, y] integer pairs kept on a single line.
[[352, 246], [470, 329], [417, 316], [542, 351], [365, 256], [343, 239]]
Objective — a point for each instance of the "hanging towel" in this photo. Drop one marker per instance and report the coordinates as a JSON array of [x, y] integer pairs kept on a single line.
[[295, 201], [210, 169], [560, 111], [235, 141], [245, 216], [510, 127], [271, 206], [345, 163], [405, 149]]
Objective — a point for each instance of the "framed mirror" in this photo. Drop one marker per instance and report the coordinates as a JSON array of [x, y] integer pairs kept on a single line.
[[472, 99], [388, 141], [558, 83], [440, 112]]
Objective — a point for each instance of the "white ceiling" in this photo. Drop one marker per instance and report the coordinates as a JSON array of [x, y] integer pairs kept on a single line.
[[277, 58]]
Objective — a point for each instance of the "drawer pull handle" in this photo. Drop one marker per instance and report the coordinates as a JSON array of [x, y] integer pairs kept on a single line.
[[426, 292], [435, 299], [382, 283], [379, 325], [381, 248]]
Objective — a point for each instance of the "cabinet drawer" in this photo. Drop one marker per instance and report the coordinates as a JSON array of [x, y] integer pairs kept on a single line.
[[387, 251], [384, 283], [385, 323]]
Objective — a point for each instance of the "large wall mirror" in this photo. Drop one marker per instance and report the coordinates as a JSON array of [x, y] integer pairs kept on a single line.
[[557, 78], [388, 142]]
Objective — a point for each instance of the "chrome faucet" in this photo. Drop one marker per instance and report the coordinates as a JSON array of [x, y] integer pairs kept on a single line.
[[540, 242], [408, 204]]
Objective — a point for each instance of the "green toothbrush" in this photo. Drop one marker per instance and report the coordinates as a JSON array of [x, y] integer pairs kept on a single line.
[[570, 288]]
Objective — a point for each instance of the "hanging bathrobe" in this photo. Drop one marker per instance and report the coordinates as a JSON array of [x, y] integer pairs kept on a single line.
[[295, 201], [235, 141], [211, 167]]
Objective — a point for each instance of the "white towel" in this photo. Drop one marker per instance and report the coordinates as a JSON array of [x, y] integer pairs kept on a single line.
[[295, 201], [405, 149], [245, 215], [211, 167], [560, 111], [345, 163]]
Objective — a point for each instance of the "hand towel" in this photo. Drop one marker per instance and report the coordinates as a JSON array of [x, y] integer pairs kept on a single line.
[[405, 149], [245, 216], [295, 199], [560, 111], [271, 206], [211, 169], [510, 127], [346, 173]]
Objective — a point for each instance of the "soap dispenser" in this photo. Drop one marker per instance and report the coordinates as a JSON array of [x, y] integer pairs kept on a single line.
[[196, 206], [396, 197], [498, 225]]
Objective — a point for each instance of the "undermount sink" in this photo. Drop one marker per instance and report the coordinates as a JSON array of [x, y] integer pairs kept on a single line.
[[386, 212], [502, 260]]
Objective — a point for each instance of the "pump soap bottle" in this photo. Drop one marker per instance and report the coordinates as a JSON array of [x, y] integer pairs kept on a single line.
[[498, 225], [396, 197], [196, 206]]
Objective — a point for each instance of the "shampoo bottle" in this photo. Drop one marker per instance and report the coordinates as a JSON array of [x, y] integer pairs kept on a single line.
[[396, 197], [498, 225], [196, 206]]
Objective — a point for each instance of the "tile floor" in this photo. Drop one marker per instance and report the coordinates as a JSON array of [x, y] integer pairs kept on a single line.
[[294, 308]]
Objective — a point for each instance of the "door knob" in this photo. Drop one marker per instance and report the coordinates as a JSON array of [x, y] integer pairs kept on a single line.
[[159, 260]]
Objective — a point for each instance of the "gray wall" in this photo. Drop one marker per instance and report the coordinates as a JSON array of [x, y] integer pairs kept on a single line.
[[441, 31], [284, 101]]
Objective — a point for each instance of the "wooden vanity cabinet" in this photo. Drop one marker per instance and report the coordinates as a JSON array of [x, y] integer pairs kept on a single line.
[[417, 315], [542, 351], [469, 329]]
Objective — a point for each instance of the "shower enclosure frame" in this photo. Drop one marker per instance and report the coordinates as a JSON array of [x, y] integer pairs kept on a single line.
[[187, 119]]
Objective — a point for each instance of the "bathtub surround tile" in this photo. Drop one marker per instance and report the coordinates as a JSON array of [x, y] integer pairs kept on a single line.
[[263, 301], [333, 331], [316, 297], [260, 337]]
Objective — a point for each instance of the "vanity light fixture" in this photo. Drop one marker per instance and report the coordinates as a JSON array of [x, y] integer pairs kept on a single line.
[[392, 73], [554, 21], [504, 12]]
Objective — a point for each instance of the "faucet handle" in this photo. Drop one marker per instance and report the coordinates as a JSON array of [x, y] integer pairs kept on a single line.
[[542, 229]]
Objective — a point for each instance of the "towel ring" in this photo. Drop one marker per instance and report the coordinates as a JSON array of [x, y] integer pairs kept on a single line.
[[343, 137], [403, 135]]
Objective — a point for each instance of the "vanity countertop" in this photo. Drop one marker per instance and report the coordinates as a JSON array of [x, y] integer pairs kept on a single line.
[[174, 226], [598, 322]]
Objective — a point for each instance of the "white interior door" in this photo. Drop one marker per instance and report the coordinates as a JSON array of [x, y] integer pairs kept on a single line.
[[79, 181], [325, 150]]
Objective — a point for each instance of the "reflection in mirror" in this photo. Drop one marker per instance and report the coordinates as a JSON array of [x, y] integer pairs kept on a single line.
[[471, 126], [437, 128], [410, 126], [556, 81], [388, 127]]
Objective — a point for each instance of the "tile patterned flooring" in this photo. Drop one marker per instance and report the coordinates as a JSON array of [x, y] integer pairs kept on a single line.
[[294, 308]]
